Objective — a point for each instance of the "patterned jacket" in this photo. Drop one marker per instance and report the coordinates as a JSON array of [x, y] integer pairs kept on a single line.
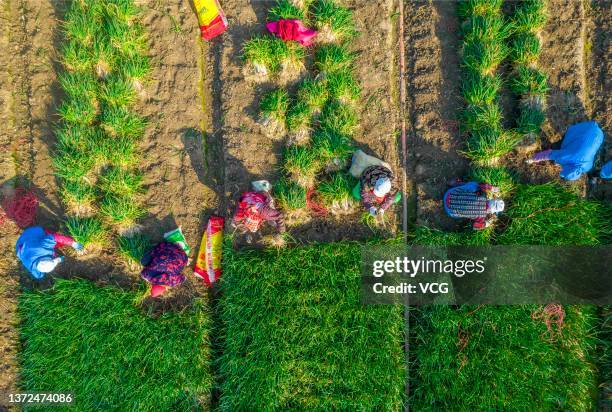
[[469, 201], [368, 180], [255, 208], [163, 265]]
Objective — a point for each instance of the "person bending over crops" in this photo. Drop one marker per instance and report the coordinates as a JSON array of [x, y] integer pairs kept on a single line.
[[254, 209], [36, 249], [376, 189], [475, 201], [578, 150], [163, 265]]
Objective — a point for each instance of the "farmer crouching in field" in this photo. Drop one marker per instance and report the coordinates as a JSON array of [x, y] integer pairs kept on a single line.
[[163, 265], [474, 201], [36, 249], [375, 189], [257, 207], [578, 150]]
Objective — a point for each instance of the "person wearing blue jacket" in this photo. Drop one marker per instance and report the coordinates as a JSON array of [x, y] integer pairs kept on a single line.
[[578, 150], [36, 249]]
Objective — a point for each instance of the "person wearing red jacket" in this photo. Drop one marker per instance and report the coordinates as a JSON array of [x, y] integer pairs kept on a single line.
[[254, 209]]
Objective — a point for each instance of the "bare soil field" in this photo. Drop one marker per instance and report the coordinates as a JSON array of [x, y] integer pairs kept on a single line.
[[432, 56]]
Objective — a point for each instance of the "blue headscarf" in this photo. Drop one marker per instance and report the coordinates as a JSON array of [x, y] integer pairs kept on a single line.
[[578, 149], [33, 246]]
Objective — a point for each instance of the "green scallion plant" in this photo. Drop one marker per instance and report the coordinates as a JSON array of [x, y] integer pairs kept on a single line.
[[119, 152], [529, 81], [497, 176], [80, 109], [299, 118], [286, 9], [79, 196], [119, 121], [330, 58], [122, 211], [118, 91], [484, 57], [313, 93], [120, 182], [530, 120], [336, 193], [530, 16], [289, 195], [301, 164], [72, 164], [343, 86], [334, 22], [468, 8], [478, 117], [273, 111], [489, 28], [339, 117], [331, 146], [525, 49], [485, 146], [480, 90], [89, 231], [77, 57], [133, 248]]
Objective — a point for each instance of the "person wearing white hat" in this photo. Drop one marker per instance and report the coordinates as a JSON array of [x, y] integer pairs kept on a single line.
[[377, 192], [475, 201], [36, 249]]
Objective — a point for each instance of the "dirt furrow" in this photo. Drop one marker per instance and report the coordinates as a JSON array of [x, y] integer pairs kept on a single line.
[[598, 61], [178, 176], [432, 47], [29, 98]]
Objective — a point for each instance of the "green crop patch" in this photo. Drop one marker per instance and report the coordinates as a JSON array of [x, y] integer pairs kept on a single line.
[[95, 159], [95, 343], [297, 338], [501, 358], [550, 214], [317, 114]]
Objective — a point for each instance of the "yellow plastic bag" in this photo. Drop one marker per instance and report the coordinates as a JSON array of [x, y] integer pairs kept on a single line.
[[207, 11]]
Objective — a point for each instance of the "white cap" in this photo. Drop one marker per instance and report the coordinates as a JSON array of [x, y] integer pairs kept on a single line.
[[47, 265], [496, 205], [382, 186]]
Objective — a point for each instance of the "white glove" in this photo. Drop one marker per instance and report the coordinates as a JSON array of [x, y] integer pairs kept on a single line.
[[373, 211]]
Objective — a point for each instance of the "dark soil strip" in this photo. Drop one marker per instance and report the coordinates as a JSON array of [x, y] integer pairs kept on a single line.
[[433, 105], [598, 59], [180, 190]]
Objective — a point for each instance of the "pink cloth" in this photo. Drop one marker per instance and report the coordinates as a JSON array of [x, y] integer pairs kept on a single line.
[[60, 240], [292, 30]]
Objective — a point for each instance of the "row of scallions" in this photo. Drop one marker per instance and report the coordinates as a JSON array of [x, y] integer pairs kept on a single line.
[[528, 82], [485, 33]]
